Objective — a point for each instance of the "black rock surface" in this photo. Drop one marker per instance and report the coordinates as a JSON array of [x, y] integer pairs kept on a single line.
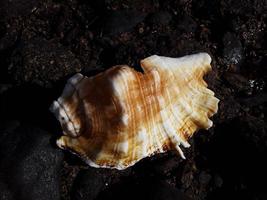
[[121, 21], [89, 183], [145, 190], [41, 61], [232, 51], [29, 163]]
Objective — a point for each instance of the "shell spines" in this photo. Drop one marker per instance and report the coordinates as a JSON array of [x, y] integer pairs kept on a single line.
[[122, 116]]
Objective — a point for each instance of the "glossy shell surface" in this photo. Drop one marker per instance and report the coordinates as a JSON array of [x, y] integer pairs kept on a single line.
[[120, 116]]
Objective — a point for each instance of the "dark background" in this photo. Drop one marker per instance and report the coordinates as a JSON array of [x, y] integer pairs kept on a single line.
[[43, 43]]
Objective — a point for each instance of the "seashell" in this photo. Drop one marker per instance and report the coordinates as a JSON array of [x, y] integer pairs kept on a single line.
[[120, 116]]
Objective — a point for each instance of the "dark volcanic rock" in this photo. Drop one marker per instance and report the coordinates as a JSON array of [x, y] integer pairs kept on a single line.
[[29, 104], [17, 7], [144, 189], [5, 193], [238, 82], [4, 87], [8, 39], [41, 61], [29, 164], [160, 18], [91, 182], [165, 167], [160, 165], [161, 191], [187, 24], [232, 51], [218, 181], [121, 21], [247, 141], [88, 184], [204, 178]]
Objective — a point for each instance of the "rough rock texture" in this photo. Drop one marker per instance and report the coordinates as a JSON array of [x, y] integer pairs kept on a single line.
[[150, 190], [226, 161], [31, 59], [29, 163]]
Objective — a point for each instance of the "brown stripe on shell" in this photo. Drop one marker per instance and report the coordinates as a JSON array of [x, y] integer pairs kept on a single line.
[[110, 141]]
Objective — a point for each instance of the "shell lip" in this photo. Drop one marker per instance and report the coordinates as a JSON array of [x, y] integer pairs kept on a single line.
[[91, 163]]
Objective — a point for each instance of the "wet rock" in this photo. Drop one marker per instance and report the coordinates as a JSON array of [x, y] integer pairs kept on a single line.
[[41, 61], [29, 164], [121, 21], [160, 18], [232, 52]]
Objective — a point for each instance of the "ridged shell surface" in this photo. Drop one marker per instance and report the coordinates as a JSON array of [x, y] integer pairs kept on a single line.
[[120, 116]]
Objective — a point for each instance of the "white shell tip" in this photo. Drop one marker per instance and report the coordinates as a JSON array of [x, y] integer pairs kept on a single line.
[[61, 143], [207, 58]]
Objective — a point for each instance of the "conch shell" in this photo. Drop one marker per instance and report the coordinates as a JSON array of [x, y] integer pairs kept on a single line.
[[120, 116]]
